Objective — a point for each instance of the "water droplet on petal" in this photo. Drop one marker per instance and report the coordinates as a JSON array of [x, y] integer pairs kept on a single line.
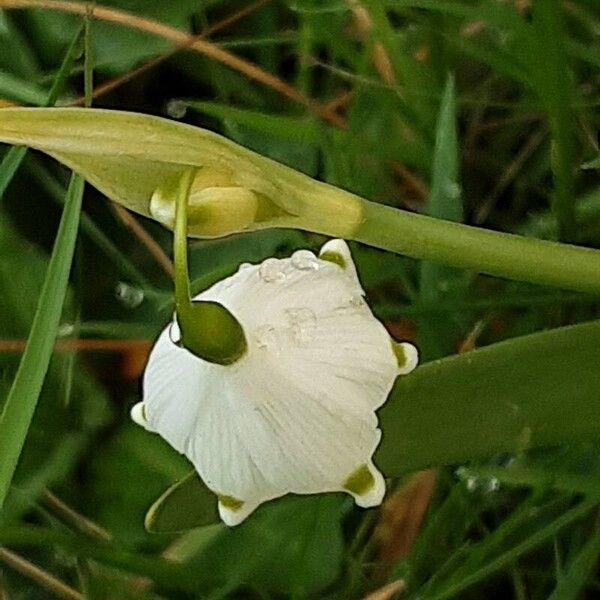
[[357, 302], [271, 270], [303, 323], [129, 295], [305, 260], [266, 338], [244, 267], [354, 304]]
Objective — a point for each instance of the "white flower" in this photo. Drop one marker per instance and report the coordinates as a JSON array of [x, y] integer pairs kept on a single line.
[[296, 413]]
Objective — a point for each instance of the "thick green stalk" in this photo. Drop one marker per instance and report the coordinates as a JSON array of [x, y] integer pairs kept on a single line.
[[481, 250]]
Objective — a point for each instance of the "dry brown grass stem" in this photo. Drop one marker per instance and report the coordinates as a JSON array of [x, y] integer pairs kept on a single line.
[[41, 577], [181, 39]]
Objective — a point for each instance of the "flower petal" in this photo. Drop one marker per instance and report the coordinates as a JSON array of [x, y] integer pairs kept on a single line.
[[337, 251], [407, 357], [297, 412]]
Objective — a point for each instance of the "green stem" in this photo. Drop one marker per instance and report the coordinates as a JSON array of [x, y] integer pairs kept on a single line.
[[208, 329], [180, 254], [480, 250]]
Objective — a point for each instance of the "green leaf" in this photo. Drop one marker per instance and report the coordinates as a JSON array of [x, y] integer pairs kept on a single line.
[[291, 547], [21, 91], [300, 130], [536, 390], [130, 455], [185, 505], [22, 398]]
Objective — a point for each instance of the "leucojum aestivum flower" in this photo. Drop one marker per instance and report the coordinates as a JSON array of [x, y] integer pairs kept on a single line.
[[279, 397]]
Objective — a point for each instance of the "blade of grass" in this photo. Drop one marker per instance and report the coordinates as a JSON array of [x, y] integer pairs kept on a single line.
[[44, 579], [167, 574], [38, 170], [509, 557], [23, 395], [553, 81], [19, 90], [573, 582], [88, 65], [439, 283], [9, 166], [14, 157], [551, 478]]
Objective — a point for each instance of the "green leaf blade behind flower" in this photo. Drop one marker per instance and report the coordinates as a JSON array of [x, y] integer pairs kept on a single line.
[[536, 390]]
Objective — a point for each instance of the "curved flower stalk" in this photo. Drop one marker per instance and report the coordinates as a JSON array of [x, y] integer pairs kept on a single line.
[[137, 159], [294, 413]]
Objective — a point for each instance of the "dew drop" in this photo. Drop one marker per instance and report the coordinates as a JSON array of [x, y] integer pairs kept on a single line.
[[303, 323], [356, 302], [270, 270], [453, 190], [266, 338], [305, 260], [493, 485], [65, 329], [471, 483], [244, 267], [128, 295], [176, 109]]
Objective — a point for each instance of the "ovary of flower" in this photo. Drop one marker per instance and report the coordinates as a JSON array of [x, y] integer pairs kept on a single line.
[[296, 413]]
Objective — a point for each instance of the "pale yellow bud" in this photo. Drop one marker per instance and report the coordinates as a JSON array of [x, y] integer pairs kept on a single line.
[[216, 205]]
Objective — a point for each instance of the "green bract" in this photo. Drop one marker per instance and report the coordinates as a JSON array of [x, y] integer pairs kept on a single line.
[[136, 160]]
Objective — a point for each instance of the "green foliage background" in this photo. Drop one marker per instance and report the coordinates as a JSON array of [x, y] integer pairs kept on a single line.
[[499, 147]]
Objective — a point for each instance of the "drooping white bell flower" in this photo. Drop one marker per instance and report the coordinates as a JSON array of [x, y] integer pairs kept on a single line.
[[296, 413]]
